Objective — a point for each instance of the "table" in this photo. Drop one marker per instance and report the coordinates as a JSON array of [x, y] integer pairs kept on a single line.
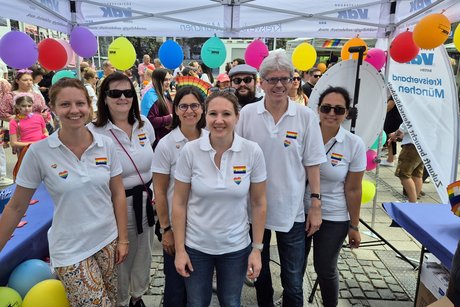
[[30, 241], [433, 225]]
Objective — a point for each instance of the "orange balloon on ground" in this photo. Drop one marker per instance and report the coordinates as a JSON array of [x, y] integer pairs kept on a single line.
[[322, 67], [431, 31], [354, 42]]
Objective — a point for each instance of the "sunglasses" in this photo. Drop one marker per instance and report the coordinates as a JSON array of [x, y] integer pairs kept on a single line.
[[296, 79], [283, 80], [118, 93], [337, 110], [246, 80], [193, 106], [230, 90], [317, 76]]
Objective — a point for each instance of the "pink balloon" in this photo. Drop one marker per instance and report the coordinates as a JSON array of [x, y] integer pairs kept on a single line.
[[376, 57], [68, 50], [255, 53], [371, 156]]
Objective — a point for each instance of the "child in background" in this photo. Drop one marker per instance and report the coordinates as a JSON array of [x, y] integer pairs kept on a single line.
[[27, 127]]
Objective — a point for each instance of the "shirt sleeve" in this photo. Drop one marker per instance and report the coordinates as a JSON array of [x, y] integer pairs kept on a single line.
[[161, 158], [115, 165], [184, 167], [359, 161], [313, 153], [13, 127], [157, 120], [259, 170], [30, 175]]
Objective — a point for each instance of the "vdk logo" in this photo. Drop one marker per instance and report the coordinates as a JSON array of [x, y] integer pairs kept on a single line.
[[354, 14], [426, 59], [116, 12], [416, 5], [52, 4]]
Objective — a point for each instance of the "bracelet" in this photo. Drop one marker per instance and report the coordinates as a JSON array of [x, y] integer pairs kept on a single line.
[[259, 246], [123, 242], [356, 228]]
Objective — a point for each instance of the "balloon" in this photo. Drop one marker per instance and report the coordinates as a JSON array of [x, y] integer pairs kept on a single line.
[[322, 67], [403, 49], [213, 52], [371, 163], [255, 53], [68, 50], [354, 42], [368, 189], [376, 143], [122, 54], [63, 74], [304, 57], [9, 297], [28, 274], [48, 293], [51, 54], [170, 54], [431, 31], [83, 42], [376, 57], [18, 50], [457, 37]]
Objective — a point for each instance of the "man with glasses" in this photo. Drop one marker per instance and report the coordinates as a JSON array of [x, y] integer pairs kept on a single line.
[[243, 80], [290, 138], [313, 76]]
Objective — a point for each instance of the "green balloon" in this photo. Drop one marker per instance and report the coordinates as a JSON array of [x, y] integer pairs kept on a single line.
[[62, 74], [213, 52], [376, 143], [9, 297]]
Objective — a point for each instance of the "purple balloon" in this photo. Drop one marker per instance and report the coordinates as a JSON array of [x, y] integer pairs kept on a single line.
[[18, 50], [83, 42]]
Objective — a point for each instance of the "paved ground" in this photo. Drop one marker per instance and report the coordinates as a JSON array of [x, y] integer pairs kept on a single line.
[[370, 276]]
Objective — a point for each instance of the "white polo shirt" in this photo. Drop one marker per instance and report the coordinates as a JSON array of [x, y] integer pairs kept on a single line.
[[288, 146], [217, 210], [347, 155], [139, 148], [83, 219], [165, 158]]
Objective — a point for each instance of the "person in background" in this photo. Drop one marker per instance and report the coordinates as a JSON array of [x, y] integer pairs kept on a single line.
[[210, 207], [129, 74], [119, 119], [228, 66], [238, 61], [3, 70], [243, 79], [157, 63], [187, 125], [107, 69], [82, 174], [147, 84], [37, 77], [207, 74], [190, 71], [392, 122], [340, 179], [290, 138], [90, 80], [142, 67], [222, 81], [46, 83], [5, 87], [296, 93], [312, 78], [196, 67], [453, 290]]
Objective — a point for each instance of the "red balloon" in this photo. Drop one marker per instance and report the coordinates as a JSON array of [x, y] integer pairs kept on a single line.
[[51, 54], [403, 48]]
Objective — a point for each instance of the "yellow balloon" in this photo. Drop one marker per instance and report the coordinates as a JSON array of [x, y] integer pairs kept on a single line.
[[457, 37], [368, 191], [322, 67], [304, 57], [431, 31], [47, 293], [122, 54], [354, 42]]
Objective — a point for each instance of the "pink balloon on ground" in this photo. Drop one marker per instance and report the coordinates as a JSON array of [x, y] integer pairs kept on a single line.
[[68, 49], [371, 155], [376, 57], [255, 53]]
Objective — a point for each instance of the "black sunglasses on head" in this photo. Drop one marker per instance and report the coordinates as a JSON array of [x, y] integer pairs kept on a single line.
[[337, 110], [246, 80], [118, 93]]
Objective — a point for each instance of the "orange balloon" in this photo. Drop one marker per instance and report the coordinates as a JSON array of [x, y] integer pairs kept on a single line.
[[354, 42], [322, 67], [431, 31]]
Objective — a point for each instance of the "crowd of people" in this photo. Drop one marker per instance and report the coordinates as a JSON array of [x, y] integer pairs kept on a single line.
[[228, 169]]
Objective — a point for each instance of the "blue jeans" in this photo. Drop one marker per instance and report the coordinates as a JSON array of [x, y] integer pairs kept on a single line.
[[175, 294], [230, 269], [327, 243], [291, 249]]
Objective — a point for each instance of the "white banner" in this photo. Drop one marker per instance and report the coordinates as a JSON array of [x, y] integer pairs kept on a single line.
[[425, 93]]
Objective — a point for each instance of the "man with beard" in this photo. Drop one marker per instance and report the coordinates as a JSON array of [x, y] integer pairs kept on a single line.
[[243, 80]]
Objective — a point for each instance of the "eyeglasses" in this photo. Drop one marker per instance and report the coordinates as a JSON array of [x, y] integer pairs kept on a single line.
[[193, 106], [118, 93], [296, 79], [337, 110], [317, 76], [230, 90], [246, 80], [283, 80]]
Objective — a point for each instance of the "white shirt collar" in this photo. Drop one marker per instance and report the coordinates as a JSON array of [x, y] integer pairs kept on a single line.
[[54, 141]]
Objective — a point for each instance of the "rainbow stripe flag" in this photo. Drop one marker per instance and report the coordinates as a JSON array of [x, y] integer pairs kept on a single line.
[[331, 43], [239, 169], [101, 161], [291, 135], [453, 190]]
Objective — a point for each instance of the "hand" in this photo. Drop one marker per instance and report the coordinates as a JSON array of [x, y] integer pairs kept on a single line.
[[254, 264], [314, 218], [168, 242], [354, 238], [122, 253], [183, 264]]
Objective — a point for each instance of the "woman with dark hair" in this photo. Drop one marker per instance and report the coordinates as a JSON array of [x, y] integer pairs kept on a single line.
[[187, 125], [82, 174], [340, 180], [296, 93], [207, 74], [118, 118]]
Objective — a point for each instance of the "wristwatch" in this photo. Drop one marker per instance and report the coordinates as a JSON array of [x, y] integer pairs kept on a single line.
[[315, 195], [166, 229], [259, 246], [356, 228]]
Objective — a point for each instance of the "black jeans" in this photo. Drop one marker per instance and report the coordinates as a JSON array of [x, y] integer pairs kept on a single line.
[[453, 291]]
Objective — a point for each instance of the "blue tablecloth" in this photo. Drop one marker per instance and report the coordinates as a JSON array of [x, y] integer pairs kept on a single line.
[[433, 225], [30, 241]]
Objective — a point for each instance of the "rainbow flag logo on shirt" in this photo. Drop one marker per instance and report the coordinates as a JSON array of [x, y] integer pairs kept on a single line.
[[101, 161], [63, 174], [287, 143], [237, 180], [336, 158], [239, 170], [291, 135], [142, 137]]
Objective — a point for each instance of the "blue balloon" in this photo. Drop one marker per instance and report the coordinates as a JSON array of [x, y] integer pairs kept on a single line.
[[213, 52], [171, 55], [28, 274]]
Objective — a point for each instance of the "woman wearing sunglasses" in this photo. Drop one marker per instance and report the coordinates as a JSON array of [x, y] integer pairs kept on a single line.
[[188, 123], [119, 118], [341, 178], [296, 93]]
